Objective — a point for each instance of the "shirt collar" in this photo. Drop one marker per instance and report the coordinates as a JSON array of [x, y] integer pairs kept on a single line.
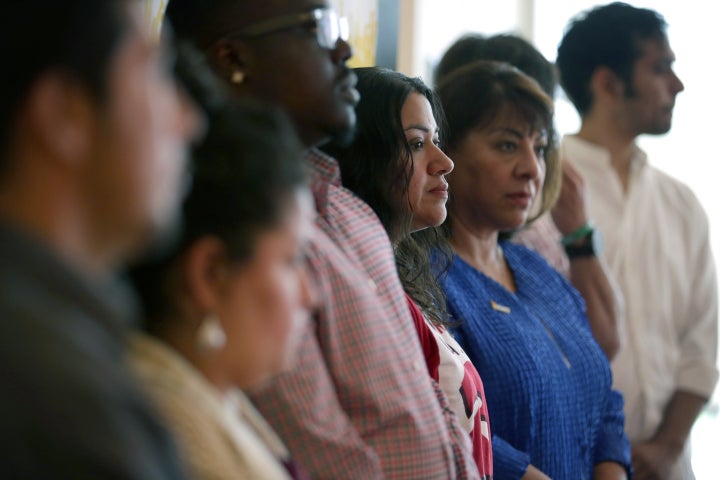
[[324, 171], [591, 155]]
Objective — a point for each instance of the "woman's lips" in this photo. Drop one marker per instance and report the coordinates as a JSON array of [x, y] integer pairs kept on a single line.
[[440, 191], [521, 199]]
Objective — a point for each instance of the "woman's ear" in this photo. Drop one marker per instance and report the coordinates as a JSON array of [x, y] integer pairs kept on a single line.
[[204, 270]]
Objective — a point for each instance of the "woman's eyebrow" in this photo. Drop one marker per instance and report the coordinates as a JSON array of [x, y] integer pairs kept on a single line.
[[423, 128]]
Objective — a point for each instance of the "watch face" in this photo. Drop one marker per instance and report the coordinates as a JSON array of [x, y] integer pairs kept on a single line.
[[596, 241], [592, 246]]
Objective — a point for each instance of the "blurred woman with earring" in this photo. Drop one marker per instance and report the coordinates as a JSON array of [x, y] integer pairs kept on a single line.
[[224, 306]]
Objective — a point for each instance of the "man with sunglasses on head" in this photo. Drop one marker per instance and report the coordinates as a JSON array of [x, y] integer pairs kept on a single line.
[[359, 402]]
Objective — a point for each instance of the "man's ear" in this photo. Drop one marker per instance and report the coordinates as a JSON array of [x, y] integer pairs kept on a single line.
[[62, 117], [230, 59], [204, 270], [606, 85]]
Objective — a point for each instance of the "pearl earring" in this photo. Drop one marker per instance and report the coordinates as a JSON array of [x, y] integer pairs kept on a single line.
[[237, 77], [210, 335]]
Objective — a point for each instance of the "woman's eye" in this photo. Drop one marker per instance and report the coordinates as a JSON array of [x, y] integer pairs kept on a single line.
[[416, 145], [540, 151], [507, 146], [437, 143]]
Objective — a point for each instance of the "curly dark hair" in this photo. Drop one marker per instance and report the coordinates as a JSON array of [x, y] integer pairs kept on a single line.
[[378, 166]]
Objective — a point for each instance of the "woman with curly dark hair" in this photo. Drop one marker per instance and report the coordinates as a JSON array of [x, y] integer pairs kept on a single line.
[[397, 166], [225, 306]]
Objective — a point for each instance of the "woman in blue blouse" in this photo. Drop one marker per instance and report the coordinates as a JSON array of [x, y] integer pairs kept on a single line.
[[547, 382]]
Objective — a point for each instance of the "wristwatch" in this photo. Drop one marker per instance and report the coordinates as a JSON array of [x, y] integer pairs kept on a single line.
[[588, 245]]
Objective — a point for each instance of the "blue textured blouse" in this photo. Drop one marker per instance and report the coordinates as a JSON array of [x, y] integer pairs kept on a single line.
[[547, 382]]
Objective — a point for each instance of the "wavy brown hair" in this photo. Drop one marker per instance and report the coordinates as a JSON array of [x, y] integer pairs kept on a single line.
[[474, 95], [378, 165]]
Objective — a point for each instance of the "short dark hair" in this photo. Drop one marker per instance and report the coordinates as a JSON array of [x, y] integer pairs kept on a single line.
[[78, 38], [474, 95], [504, 47], [199, 21], [605, 36], [377, 166], [245, 170]]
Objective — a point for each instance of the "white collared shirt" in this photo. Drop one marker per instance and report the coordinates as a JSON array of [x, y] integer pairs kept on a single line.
[[657, 246]]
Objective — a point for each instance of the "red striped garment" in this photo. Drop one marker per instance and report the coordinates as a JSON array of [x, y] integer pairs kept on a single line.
[[450, 367]]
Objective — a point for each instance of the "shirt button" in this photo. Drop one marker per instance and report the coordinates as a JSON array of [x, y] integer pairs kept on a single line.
[[372, 286], [416, 365]]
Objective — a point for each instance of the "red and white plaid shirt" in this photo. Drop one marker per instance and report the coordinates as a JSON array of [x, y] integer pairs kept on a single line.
[[358, 403]]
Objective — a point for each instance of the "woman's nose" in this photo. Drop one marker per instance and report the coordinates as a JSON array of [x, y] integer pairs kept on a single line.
[[441, 163], [308, 293], [529, 164]]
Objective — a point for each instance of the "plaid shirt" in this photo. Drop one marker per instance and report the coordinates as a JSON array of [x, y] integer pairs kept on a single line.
[[358, 402]]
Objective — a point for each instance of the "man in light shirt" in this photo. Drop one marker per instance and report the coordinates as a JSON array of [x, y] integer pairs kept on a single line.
[[615, 64]]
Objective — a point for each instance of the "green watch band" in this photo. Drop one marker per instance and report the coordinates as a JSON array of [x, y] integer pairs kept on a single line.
[[581, 232], [591, 246]]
